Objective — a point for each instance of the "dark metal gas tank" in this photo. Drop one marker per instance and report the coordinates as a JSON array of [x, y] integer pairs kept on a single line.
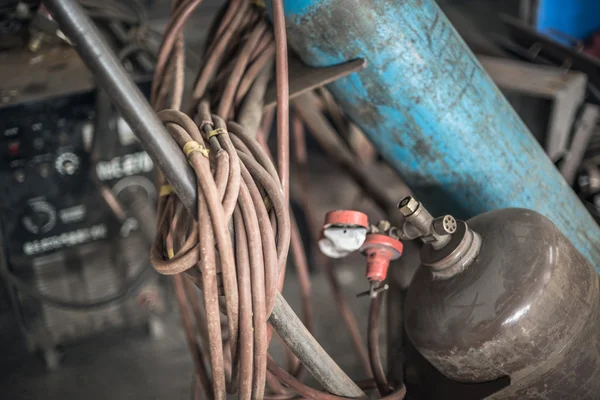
[[526, 308]]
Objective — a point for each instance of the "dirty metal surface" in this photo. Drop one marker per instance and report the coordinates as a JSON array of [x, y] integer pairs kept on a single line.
[[566, 90], [584, 130], [539, 80], [51, 73], [304, 78], [545, 47], [433, 112], [526, 308]]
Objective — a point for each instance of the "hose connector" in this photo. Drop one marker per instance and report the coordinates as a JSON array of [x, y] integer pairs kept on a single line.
[[419, 224], [380, 249], [450, 246]]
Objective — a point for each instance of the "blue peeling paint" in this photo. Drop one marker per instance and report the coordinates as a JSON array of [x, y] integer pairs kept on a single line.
[[433, 112]]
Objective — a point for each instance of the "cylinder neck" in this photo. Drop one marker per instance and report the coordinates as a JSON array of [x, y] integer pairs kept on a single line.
[[420, 224], [456, 256], [449, 245]]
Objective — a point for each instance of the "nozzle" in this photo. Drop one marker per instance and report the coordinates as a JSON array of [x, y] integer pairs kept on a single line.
[[380, 250], [419, 224]]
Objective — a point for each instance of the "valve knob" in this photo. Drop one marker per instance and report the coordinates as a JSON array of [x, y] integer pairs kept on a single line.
[[380, 250], [344, 232]]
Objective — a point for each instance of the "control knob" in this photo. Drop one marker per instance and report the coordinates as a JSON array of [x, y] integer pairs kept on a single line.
[[40, 217], [67, 163]]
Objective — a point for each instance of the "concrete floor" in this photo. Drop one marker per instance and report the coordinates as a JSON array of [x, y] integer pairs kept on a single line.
[[115, 366]]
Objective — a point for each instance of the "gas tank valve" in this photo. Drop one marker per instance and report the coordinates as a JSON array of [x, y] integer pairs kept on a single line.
[[380, 249], [347, 231]]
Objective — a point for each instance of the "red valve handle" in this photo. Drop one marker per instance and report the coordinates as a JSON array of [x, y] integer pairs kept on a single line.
[[346, 217], [380, 250]]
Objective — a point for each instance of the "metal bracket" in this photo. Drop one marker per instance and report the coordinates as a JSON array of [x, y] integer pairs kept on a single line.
[[304, 78], [585, 127], [551, 50], [567, 90]]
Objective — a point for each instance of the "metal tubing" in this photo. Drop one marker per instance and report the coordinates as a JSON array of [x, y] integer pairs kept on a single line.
[[126, 97], [291, 330], [433, 113], [168, 157]]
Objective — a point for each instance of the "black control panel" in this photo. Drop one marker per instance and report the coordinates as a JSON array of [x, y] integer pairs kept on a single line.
[[51, 202], [68, 162]]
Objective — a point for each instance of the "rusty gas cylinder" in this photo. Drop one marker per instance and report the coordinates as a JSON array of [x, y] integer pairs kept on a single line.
[[509, 296]]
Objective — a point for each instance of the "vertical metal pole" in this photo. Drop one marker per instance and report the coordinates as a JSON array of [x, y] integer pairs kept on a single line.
[[433, 112], [126, 97]]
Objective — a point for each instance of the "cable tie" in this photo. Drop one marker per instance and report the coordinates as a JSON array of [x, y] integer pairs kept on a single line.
[[215, 132], [170, 253], [166, 190], [193, 146]]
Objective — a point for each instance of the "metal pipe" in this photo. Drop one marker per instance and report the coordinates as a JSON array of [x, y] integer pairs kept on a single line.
[[310, 353], [168, 157], [126, 97], [434, 114]]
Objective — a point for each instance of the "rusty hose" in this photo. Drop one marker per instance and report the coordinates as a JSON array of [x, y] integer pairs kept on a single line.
[[242, 199]]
